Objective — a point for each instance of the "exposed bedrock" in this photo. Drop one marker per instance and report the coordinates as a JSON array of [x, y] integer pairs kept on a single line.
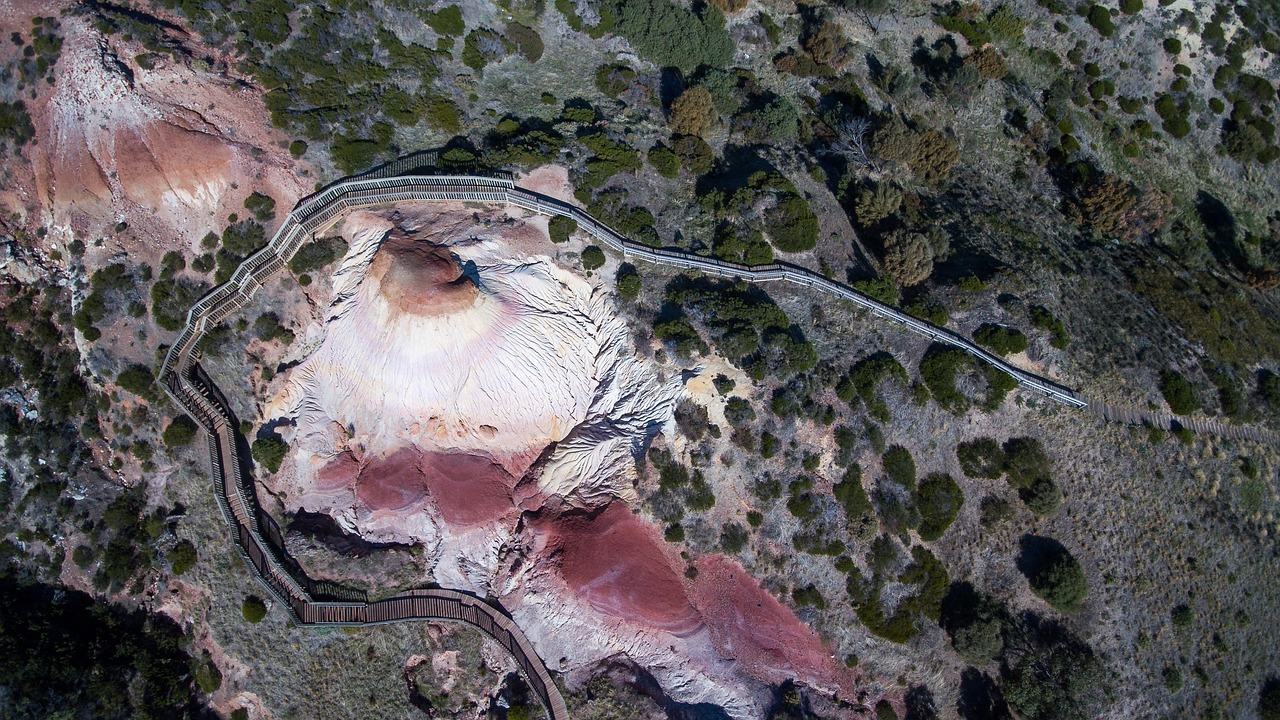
[[468, 395]]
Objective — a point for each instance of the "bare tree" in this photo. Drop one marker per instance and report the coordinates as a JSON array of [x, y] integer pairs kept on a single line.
[[854, 143]]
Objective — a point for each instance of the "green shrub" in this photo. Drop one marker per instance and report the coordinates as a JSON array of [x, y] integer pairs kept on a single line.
[[1042, 496], [792, 225], [981, 458], [851, 495], [1061, 582], [483, 46], [1178, 393], [1044, 320], [179, 432], [733, 538], [672, 36], [182, 557], [82, 556], [938, 369], [1000, 339], [899, 466], [939, 499], [207, 676], [665, 161], [138, 380], [1269, 700], [1026, 461], [613, 80], [808, 597], [1100, 18], [298, 148], [592, 258], [317, 255], [526, 40], [1130, 7], [171, 299], [561, 227], [995, 511], [446, 21], [253, 609], [628, 281], [1182, 616], [269, 451]]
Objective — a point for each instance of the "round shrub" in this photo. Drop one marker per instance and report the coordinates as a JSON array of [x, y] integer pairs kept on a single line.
[[900, 466], [1173, 46], [592, 258], [181, 431], [560, 228], [1060, 581], [938, 499], [253, 609], [981, 458], [269, 451], [182, 557], [1177, 391]]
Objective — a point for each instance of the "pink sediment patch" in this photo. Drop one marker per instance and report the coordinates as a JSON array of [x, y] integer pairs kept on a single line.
[[393, 483], [468, 490], [338, 473], [750, 625], [616, 563]]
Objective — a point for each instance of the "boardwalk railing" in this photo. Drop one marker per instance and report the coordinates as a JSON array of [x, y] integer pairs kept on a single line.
[[258, 537]]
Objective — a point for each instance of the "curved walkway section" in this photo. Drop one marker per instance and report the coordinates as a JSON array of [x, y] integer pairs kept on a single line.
[[259, 538]]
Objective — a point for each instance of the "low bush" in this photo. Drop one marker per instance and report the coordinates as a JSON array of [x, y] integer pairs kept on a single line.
[[1000, 339], [592, 258], [939, 499], [628, 282], [1026, 461], [269, 451], [317, 255], [1178, 393], [899, 466], [1100, 18], [179, 432], [733, 538], [182, 557], [561, 227], [1060, 581], [665, 161], [253, 609], [981, 458]]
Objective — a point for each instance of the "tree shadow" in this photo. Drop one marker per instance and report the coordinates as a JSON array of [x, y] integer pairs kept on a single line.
[[980, 697], [919, 704], [1036, 553], [1220, 229]]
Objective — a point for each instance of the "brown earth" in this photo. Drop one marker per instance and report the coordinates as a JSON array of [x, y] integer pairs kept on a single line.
[[420, 278]]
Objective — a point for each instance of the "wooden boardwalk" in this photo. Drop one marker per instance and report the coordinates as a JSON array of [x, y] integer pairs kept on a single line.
[[318, 602]]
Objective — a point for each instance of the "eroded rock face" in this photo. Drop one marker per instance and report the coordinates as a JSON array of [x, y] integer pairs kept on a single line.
[[169, 144], [470, 396], [447, 368]]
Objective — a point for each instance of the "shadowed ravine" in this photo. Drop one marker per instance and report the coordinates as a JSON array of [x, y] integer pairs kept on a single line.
[[258, 537]]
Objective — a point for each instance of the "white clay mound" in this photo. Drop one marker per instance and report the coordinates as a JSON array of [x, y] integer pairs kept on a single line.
[[455, 347]]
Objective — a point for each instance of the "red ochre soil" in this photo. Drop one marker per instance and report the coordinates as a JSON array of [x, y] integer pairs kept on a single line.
[[467, 490], [749, 624], [616, 563], [393, 483]]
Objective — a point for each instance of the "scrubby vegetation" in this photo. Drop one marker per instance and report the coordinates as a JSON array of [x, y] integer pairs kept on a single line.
[[62, 652]]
